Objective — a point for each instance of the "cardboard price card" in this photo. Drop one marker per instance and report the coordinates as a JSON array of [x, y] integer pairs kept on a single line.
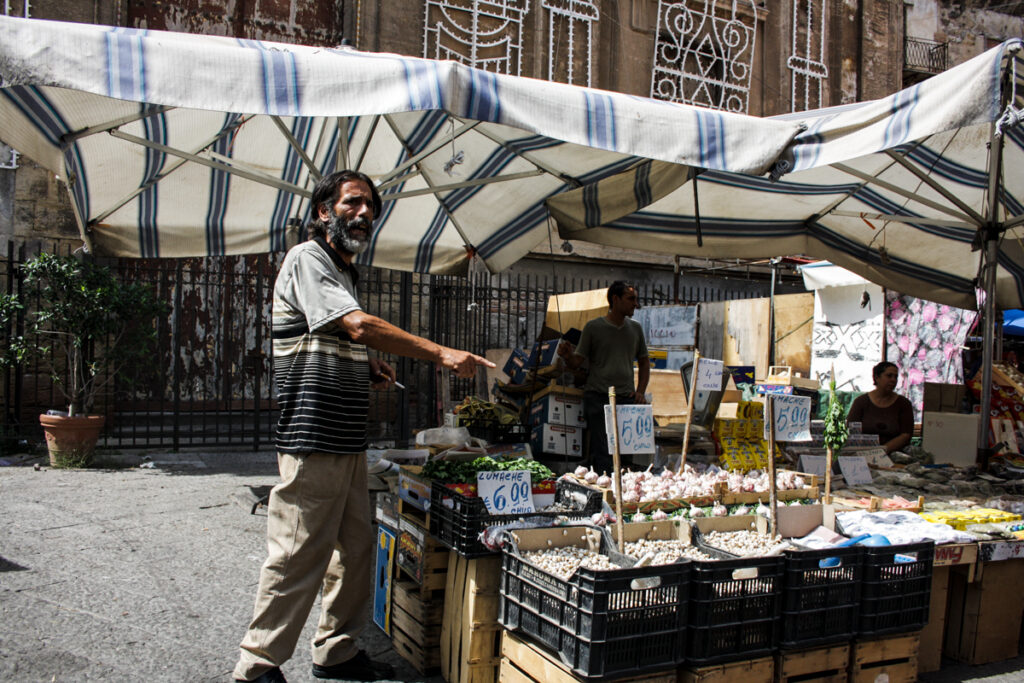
[[855, 469], [792, 418], [709, 375], [506, 493], [636, 429]]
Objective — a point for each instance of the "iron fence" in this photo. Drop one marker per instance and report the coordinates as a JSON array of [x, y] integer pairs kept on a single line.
[[210, 381], [926, 56]]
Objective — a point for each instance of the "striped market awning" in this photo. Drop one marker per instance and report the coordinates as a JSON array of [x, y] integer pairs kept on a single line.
[[187, 145], [903, 191]]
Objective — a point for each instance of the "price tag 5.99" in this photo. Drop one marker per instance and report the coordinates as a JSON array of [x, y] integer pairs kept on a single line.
[[636, 428], [506, 493]]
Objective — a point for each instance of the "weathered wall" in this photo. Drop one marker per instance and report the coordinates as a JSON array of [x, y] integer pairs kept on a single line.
[[969, 26]]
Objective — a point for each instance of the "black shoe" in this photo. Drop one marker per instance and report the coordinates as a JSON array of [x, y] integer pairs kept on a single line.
[[359, 668], [270, 676]]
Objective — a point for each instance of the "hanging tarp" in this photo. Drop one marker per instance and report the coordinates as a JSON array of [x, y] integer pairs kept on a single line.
[[188, 145], [900, 190]]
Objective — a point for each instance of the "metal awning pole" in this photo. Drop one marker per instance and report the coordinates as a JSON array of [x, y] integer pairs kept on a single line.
[[988, 344]]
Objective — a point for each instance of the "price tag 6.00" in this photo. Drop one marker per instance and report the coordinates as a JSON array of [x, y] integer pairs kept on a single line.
[[506, 493]]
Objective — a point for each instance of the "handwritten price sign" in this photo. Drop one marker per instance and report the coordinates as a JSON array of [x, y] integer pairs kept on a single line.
[[506, 493], [709, 375], [636, 429], [792, 418]]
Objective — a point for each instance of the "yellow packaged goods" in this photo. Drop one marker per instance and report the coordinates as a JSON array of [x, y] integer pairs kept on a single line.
[[961, 519]]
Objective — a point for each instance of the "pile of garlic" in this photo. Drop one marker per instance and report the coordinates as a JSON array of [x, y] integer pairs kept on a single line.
[[666, 551], [645, 487], [745, 543], [563, 562]]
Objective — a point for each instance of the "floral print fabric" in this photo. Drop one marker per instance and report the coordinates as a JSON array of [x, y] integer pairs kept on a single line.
[[923, 339]]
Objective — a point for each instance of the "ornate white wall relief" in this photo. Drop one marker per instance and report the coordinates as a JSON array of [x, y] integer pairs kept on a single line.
[[807, 56], [485, 34], [703, 53], [570, 39]]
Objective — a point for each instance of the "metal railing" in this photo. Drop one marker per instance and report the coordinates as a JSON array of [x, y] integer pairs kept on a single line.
[[925, 56], [210, 381]]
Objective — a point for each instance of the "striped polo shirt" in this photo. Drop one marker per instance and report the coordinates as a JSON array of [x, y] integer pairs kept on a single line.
[[322, 377]]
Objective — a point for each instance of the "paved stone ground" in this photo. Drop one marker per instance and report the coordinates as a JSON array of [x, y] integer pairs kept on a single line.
[[129, 573], [139, 574]]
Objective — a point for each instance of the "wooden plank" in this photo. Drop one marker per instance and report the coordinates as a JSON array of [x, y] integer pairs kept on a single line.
[[818, 664], [893, 659], [747, 334], [734, 672], [424, 635], [425, 659], [794, 326], [406, 594], [711, 328], [470, 629], [510, 673], [540, 666], [930, 651]]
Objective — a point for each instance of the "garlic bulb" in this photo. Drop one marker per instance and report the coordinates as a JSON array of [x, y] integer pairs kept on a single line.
[[580, 471], [604, 481]]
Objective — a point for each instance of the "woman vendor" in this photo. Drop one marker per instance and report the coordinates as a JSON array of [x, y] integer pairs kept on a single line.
[[884, 412]]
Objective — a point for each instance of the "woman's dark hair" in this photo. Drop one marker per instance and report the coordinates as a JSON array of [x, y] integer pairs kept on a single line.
[[327, 192], [877, 371]]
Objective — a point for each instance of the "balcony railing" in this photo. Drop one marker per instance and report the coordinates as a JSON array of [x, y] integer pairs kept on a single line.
[[925, 56]]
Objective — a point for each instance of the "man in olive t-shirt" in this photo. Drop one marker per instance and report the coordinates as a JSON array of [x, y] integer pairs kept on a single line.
[[610, 344]]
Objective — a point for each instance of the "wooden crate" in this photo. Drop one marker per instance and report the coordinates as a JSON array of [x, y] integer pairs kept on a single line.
[[892, 659], [818, 665], [983, 622], [470, 632], [930, 654], [524, 662], [414, 514], [416, 626], [762, 669], [418, 555]]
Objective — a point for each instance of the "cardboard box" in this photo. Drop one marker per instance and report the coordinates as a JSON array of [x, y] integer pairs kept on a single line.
[[943, 398], [515, 367], [412, 488], [951, 437], [543, 353], [557, 440], [382, 578], [558, 409], [386, 511]]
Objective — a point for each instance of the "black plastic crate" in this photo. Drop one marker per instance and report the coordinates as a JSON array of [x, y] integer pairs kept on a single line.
[[735, 608], [821, 596], [897, 588], [457, 520], [493, 431], [601, 624], [574, 494]]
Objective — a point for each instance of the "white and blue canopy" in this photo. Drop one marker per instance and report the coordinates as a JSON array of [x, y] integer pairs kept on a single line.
[[897, 190], [187, 145]]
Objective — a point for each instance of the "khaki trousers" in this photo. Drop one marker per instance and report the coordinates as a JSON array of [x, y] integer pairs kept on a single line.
[[319, 538]]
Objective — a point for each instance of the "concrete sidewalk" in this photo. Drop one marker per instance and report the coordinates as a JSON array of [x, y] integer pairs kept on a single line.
[[143, 571]]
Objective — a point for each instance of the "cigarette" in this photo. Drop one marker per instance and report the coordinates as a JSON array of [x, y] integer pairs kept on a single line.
[[398, 384]]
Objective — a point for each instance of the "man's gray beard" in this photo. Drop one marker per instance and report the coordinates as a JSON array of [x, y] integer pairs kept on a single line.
[[338, 229]]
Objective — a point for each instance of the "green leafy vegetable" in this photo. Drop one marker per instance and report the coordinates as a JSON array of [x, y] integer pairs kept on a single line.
[[836, 431]]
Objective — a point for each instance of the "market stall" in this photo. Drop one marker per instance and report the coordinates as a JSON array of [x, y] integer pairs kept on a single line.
[[713, 568]]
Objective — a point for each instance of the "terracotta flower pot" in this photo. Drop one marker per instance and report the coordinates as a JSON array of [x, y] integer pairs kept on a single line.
[[71, 441]]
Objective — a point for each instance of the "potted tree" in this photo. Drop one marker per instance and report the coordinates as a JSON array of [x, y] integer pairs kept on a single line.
[[87, 328]]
